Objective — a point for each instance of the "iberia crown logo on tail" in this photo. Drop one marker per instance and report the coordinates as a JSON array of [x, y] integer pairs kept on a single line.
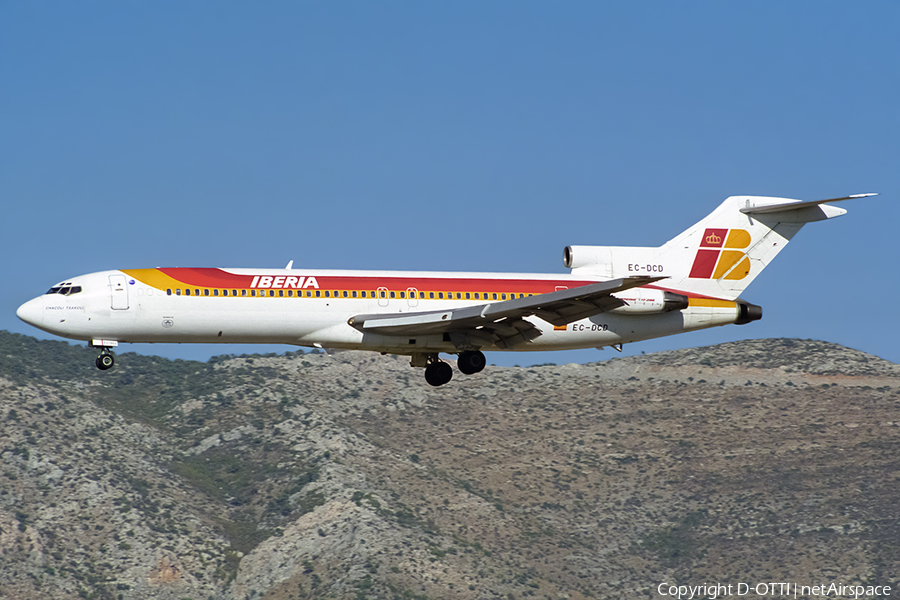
[[721, 254]]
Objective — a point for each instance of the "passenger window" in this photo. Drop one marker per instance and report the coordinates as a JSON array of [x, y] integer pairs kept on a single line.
[[215, 292], [503, 296], [431, 295], [363, 294], [169, 292], [319, 294], [345, 293], [476, 295], [393, 294], [243, 292], [281, 293], [354, 294], [468, 295], [441, 295], [403, 294], [178, 292], [494, 295], [253, 292], [271, 293]]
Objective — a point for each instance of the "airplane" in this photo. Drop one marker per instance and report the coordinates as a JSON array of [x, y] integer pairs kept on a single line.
[[613, 295]]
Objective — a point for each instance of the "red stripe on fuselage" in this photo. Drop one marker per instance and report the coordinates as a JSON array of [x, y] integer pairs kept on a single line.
[[218, 278]]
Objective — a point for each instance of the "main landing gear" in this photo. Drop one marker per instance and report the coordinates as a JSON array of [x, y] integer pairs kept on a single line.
[[471, 362], [438, 372], [106, 360]]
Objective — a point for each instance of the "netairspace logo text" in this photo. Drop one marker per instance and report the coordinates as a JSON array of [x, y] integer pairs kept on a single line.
[[714, 591]]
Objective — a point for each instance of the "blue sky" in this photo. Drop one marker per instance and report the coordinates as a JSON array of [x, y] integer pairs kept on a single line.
[[465, 136]]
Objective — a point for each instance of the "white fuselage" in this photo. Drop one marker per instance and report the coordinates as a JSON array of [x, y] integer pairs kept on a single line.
[[312, 308], [613, 295]]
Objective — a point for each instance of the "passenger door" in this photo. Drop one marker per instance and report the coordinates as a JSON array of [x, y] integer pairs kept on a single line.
[[118, 292]]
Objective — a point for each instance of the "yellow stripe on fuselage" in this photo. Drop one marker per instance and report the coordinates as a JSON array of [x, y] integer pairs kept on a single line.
[[154, 278], [710, 303]]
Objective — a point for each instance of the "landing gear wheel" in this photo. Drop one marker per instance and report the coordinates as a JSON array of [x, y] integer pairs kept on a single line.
[[471, 362], [438, 373], [105, 361]]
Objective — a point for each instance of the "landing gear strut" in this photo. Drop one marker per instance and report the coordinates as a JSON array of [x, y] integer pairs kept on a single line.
[[471, 362], [106, 360]]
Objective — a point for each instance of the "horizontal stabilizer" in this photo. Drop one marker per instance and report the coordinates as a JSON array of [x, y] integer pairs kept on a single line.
[[774, 208]]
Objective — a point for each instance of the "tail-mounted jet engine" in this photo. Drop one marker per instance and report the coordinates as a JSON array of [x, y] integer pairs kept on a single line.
[[641, 301]]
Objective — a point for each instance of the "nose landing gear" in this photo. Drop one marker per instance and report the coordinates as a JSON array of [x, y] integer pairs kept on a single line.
[[106, 360]]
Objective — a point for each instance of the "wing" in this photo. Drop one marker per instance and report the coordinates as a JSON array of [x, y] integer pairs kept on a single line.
[[503, 323]]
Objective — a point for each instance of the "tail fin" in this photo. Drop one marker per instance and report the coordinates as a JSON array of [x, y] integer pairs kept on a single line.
[[719, 256]]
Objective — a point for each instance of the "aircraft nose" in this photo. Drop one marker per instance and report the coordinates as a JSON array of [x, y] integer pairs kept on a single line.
[[32, 312]]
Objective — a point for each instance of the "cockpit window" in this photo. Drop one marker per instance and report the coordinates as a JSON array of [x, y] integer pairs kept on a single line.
[[65, 290]]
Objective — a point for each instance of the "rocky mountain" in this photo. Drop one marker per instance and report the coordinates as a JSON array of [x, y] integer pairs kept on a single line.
[[346, 476]]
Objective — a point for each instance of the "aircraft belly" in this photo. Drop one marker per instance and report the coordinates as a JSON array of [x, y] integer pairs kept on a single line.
[[609, 329]]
